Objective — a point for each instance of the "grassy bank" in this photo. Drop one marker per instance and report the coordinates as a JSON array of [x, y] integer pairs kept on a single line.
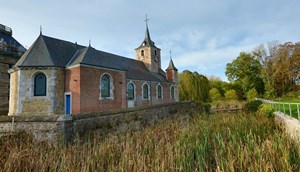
[[227, 142], [285, 108]]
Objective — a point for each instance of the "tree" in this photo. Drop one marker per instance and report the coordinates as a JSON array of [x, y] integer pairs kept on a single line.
[[245, 70], [281, 68], [214, 94], [252, 94], [193, 86], [231, 95]]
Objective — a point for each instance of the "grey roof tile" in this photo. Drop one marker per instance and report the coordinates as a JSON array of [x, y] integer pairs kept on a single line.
[[47, 51]]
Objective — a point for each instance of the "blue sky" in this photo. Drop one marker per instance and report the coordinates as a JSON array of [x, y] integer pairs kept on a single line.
[[203, 35]]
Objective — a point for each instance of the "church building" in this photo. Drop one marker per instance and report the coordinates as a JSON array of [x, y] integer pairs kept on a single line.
[[56, 77]]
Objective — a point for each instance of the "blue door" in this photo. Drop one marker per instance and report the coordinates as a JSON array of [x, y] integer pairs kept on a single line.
[[68, 104]]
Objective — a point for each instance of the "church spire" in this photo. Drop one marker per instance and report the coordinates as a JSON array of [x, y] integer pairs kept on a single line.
[[171, 64], [147, 34], [147, 40]]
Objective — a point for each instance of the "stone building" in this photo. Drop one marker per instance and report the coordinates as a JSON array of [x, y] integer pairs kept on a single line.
[[10, 52], [59, 77]]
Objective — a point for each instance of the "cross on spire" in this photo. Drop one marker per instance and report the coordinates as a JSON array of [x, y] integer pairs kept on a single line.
[[170, 54], [146, 20]]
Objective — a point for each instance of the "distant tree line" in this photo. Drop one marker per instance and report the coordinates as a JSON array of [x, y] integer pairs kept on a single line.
[[268, 71], [271, 70]]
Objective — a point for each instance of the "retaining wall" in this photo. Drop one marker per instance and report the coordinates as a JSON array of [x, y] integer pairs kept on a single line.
[[289, 124], [67, 126]]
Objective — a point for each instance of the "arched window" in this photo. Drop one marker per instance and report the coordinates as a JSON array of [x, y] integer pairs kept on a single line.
[[159, 91], [142, 53], [40, 85], [130, 91], [172, 92], [155, 53], [105, 86], [145, 91]]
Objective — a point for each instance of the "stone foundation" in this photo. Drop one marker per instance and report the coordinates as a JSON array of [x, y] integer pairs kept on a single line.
[[121, 121], [289, 124]]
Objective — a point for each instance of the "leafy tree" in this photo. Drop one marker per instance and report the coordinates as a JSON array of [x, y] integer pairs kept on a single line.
[[252, 94], [216, 82], [214, 94], [193, 86], [231, 95], [245, 71], [281, 68]]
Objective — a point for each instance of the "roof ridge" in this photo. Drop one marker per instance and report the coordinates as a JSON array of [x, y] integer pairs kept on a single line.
[[49, 54]]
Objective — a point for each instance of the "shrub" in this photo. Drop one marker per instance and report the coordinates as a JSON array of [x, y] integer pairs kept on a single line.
[[231, 95], [267, 109], [214, 94], [252, 106], [252, 94]]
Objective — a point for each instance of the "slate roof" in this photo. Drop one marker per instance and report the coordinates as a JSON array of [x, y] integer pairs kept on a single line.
[[51, 52], [171, 66], [147, 40], [47, 51]]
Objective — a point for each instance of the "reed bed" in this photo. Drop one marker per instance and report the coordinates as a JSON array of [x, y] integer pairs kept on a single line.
[[220, 142]]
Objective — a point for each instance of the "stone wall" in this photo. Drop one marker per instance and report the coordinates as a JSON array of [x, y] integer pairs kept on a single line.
[[289, 124], [23, 100], [63, 126]]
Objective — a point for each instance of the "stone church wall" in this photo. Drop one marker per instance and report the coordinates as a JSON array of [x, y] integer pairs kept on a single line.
[[23, 100], [120, 121]]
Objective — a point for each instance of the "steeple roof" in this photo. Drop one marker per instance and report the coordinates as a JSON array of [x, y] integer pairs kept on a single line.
[[171, 66], [147, 41]]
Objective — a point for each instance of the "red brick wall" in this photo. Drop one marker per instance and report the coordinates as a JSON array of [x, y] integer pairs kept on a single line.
[[84, 82], [170, 75], [72, 84], [90, 91], [153, 93]]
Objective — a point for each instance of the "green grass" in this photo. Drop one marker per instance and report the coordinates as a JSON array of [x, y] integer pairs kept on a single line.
[[220, 142], [294, 111]]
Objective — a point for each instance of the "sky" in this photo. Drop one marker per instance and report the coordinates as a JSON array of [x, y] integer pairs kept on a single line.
[[202, 35]]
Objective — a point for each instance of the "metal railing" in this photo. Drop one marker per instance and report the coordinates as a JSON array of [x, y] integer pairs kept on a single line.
[[291, 109]]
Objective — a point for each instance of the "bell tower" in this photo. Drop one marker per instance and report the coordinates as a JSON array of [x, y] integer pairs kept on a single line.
[[148, 53]]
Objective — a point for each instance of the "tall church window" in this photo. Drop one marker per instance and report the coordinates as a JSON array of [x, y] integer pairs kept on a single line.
[[130, 91], [172, 92], [159, 91], [40, 85], [155, 53], [105, 85], [142, 53], [145, 91]]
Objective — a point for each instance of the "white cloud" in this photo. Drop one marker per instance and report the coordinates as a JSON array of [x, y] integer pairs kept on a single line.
[[203, 35]]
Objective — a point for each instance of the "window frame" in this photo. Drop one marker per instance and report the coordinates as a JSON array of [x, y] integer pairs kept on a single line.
[[172, 92], [35, 93], [159, 96], [110, 88], [143, 91], [133, 91]]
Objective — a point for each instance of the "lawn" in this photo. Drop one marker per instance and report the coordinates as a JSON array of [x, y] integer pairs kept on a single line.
[[219, 142], [285, 107]]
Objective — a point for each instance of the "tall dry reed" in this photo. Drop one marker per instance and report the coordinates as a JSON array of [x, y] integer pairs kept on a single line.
[[221, 142]]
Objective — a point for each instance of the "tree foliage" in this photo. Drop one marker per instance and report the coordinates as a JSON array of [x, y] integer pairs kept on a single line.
[[231, 95], [193, 86], [245, 70], [214, 94], [280, 69], [252, 94]]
